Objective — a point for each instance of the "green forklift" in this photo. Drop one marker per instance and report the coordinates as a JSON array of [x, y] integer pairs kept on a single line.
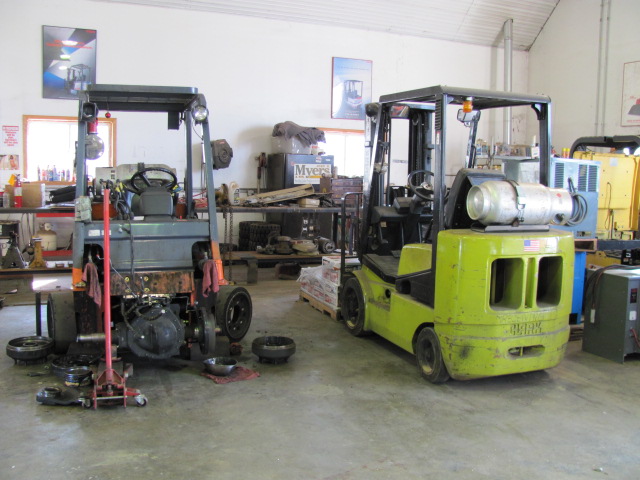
[[470, 277]]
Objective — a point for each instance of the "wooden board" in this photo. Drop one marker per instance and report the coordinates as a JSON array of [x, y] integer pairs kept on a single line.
[[320, 306]]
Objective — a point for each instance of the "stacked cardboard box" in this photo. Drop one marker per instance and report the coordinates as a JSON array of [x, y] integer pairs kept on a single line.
[[322, 282], [33, 194]]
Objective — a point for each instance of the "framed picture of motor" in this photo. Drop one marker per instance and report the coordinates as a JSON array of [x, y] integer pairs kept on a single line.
[[68, 61], [350, 88], [631, 94]]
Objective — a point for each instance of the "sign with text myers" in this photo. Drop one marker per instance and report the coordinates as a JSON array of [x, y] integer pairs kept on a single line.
[[304, 173]]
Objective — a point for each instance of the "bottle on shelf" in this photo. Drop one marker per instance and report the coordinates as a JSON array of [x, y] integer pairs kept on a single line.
[[17, 192]]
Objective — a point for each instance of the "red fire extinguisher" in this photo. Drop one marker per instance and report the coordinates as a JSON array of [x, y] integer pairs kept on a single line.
[[17, 192]]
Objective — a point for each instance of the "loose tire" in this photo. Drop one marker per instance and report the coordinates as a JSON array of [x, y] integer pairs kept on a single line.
[[61, 320], [429, 357], [233, 312], [353, 307]]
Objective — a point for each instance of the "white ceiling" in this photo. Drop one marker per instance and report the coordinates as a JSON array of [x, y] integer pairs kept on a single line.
[[469, 21]]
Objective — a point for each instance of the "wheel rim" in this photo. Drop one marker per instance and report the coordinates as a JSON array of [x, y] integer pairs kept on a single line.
[[353, 309], [426, 356], [238, 316]]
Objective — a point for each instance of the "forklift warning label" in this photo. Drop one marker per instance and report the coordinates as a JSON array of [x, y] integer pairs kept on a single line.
[[310, 173]]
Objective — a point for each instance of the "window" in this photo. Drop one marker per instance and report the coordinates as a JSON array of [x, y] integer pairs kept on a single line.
[[347, 148], [50, 142]]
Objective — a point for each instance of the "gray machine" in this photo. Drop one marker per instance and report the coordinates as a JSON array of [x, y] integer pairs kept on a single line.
[[611, 329], [583, 175]]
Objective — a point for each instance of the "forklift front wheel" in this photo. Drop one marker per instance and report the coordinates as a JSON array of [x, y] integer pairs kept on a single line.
[[429, 357], [353, 307]]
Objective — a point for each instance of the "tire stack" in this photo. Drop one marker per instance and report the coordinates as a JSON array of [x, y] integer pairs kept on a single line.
[[259, 234], [243, 234]]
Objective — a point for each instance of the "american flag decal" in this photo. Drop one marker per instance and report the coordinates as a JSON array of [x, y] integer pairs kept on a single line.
[[532, 245]]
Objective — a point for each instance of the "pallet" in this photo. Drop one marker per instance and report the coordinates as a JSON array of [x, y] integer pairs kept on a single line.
[[320, 306]]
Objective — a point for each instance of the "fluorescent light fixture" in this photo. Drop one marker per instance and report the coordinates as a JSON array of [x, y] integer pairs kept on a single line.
[[69, 43], [65, 57], [63, 67]]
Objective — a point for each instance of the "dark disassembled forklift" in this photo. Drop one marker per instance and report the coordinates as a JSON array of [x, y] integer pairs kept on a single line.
[[163, 259], [471, 279]]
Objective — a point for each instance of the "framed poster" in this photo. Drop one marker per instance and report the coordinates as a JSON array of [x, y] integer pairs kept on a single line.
[[68, 61], [350, 88], [631, 95]]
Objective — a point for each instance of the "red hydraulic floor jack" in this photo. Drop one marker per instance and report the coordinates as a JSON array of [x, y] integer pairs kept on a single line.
[[109, 386]]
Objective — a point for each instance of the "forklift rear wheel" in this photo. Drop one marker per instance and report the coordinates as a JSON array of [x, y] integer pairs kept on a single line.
[[353, 307], [233, 312], [61, 320], [429, 357]]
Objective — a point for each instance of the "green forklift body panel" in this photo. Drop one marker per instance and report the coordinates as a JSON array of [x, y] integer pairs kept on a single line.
[[502, 301]]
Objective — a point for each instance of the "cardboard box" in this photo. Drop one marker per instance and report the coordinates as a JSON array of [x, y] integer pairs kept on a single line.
[[33, 194], [333, 261], [312, 283], [331, 267]]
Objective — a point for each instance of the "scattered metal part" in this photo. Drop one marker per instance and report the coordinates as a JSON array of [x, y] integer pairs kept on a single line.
[[273, 349], [60, 365], [78, 376], [221, 366], [58, 397], [325, 245], [29, 348], [235, 348]]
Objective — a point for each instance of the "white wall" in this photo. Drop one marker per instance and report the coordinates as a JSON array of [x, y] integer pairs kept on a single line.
[[563, 64], [254, 72]]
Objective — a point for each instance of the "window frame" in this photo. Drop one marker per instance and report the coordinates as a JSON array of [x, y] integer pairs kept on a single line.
[[347, 131], [26, 119]]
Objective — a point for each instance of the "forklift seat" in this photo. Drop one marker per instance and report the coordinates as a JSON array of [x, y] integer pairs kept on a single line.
[[154, 203]]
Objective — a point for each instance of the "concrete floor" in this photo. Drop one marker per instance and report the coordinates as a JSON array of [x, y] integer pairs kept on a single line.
[[342, 408]]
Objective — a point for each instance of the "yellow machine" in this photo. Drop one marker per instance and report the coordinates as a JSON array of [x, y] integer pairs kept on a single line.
[[470, 279], [619, 196]]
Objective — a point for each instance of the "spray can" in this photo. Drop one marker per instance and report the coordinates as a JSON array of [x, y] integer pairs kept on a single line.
[[17, 193]]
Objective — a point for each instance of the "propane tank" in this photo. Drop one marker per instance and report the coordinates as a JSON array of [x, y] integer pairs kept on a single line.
[[49, 238], [496, 202], [17, 192]]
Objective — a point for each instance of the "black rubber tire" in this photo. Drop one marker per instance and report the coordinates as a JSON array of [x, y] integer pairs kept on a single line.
[[207, 340], [61, 320], [244, 234], [233, 312], [352, 307], [259, 232], [429, 357]]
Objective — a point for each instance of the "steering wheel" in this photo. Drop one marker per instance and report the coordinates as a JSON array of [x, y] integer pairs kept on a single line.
[[421, 191], [140, 177]]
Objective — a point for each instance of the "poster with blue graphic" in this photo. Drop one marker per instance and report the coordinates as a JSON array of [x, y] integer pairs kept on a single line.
[[68, 61], [351, 88]]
